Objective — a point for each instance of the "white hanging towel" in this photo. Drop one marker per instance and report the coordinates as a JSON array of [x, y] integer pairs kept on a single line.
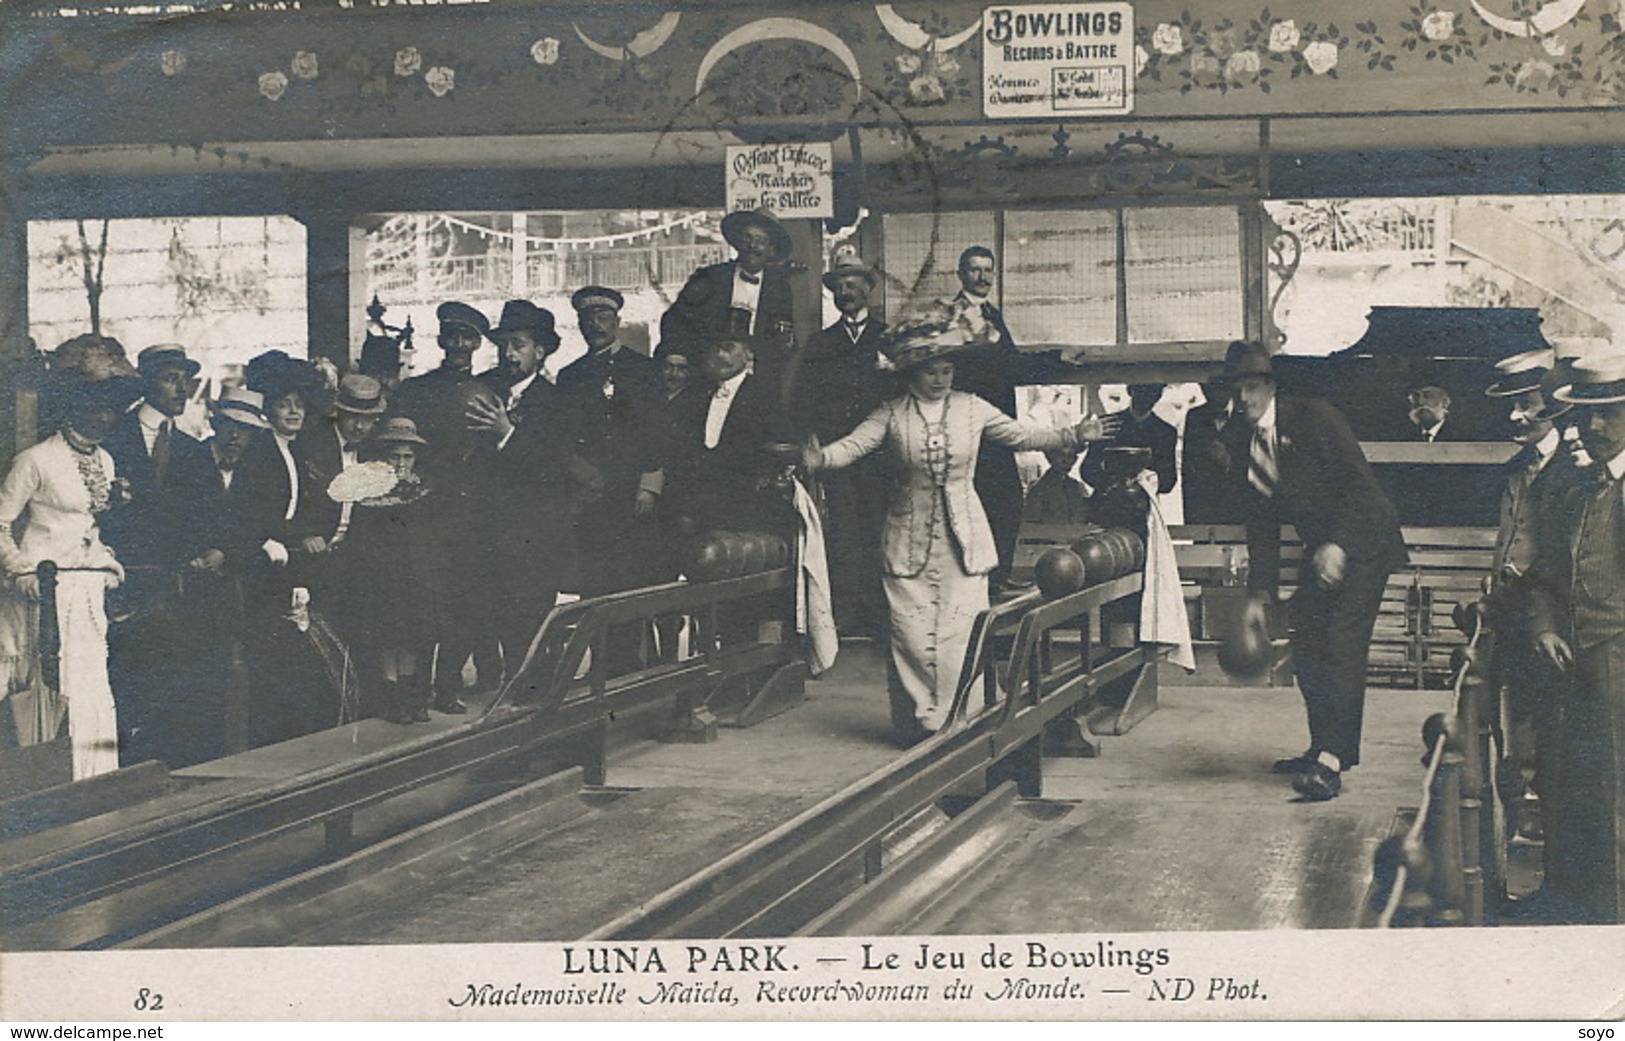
[[1162, 607], [814, 616]]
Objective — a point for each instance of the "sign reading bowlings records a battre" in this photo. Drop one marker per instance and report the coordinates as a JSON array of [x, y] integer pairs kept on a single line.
[[1040, 61], [792, 180]]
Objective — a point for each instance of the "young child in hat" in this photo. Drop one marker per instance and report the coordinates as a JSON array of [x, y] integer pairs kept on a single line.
[[392, 556]]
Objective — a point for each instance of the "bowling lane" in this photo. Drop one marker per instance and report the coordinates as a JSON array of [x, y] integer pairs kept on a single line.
[[1180, 826]]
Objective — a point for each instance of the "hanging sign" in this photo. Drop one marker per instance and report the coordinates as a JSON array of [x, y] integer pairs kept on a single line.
[[792, 180], [1041, 61]]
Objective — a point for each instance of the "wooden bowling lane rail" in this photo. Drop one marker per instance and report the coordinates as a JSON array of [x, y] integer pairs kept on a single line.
[[1438, 871], [85, 880], [788, 881]]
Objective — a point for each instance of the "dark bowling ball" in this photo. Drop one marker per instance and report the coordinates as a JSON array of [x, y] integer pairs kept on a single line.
[[1059, 572], [1120, 551], [1136, 546], [706, 559], [781, 553], [733, 554], [752, 552], [1096, 556], [1244, 651]]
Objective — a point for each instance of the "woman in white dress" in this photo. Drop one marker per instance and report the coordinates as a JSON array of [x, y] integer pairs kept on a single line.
[[937, 546], [49, 503]]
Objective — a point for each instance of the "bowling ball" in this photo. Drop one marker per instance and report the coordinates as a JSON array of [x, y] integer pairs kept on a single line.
[[1244, 651], [733, 554], [1058, 573], [706, 560], [1096, 556], [778, 552], [1136, 546], [752, 552]]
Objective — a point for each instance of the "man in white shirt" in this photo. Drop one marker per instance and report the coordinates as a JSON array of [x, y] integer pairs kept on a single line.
[[748, 296]]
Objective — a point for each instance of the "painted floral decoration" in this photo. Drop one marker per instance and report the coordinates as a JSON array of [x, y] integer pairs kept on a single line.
[[1439, 25], [1533, 75], [927, 90], [441, 80], [545, 51], [304, 65], [273, 85], [408, 61], [1168, 39], [927, 76], [1555, 46], [1321, 57], [172, 62], [1242, 67], [1284, 36]]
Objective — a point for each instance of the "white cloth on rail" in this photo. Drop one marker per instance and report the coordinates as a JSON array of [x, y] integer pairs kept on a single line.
[[814, 615], [1162, 606]]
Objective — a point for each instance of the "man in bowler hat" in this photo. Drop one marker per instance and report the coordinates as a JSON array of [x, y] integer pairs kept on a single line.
[[1304, 467]]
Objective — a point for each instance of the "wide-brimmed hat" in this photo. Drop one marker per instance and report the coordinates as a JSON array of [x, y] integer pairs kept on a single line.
[[736, 223], [455, 312], [524, 316], [164, 356], [398, 431], [1599, 379], [589, 297], [360, 395], [75, 397], [241, 405], [847, 262], [1247, 358], [276, 373], [924, 335]]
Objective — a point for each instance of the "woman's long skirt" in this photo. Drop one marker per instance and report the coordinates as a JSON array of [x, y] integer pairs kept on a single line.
[[932, 614]]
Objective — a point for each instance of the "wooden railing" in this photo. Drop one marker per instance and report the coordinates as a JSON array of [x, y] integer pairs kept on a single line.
[[1443, 868]]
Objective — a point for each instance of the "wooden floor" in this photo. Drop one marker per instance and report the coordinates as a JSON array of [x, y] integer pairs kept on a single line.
[[1177, 826]]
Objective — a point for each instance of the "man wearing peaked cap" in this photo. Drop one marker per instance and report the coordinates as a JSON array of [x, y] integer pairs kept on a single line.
[[1537, 478], [1578, 617], [427, 399], [617, 397], [748, 296], [1303, 467]]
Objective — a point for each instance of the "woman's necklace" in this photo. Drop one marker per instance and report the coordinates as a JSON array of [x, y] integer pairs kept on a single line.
[[936, 440], [89, 463]]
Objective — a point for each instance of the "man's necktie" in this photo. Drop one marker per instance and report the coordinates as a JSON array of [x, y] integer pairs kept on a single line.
[[160, 452], [1262, 473], [754, 280]]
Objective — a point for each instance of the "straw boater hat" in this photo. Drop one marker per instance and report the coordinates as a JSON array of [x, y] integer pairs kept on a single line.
[[360, 395], [735, 224], [1527, 372], [1247, 358], [924, 335], [1599, 379], [162, 356], [241, 405], [847, 262]]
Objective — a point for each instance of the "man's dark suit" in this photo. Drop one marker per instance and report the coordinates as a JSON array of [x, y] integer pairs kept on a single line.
[[615, 399], [1215, 447], [192, 724], [700, 314], [1579, 593], [148, 534], [320, 442], [1328, 492], [992, 371], [428, 401], [1530, 505], [716, 488], [838, 383], [524, 501]]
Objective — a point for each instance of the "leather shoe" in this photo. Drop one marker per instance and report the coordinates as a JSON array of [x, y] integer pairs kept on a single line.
[[451, 706], [1318, 784], [1301, 764]]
